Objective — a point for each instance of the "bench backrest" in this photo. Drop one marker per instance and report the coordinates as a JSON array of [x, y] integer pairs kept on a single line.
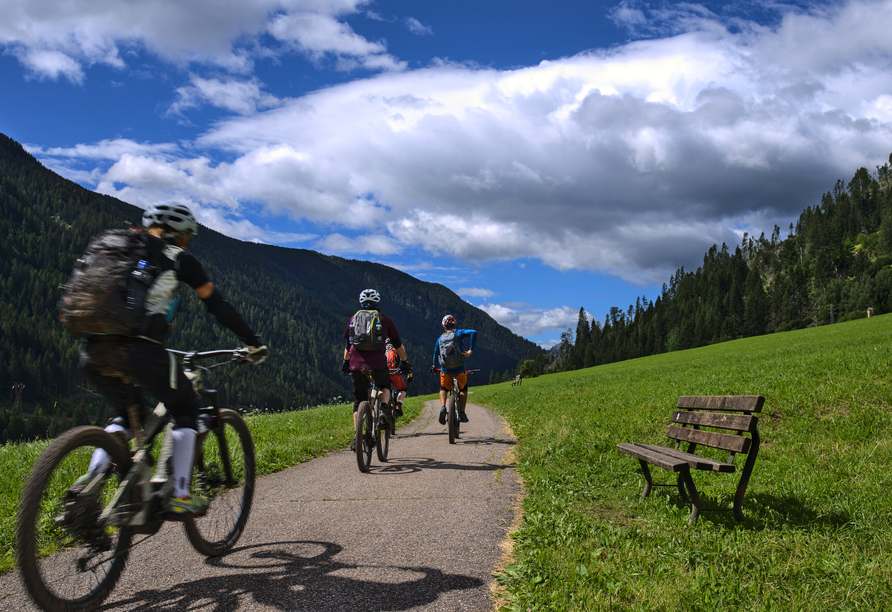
[[735, 413]]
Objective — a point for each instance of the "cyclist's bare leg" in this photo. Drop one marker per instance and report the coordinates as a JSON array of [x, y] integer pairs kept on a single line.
[[463, 394]]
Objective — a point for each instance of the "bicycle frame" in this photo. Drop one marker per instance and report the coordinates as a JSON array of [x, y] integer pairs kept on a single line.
[[98, 535], [370, 429], [453, 421], [154, 489]]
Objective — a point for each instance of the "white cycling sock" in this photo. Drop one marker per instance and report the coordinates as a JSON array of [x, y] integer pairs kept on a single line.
[[183, 452], [100, 460]]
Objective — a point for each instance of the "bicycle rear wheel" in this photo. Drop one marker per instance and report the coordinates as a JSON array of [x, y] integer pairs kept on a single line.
[[68, 561], [364, 438], [452, 422], [224, 472], [382, 441]]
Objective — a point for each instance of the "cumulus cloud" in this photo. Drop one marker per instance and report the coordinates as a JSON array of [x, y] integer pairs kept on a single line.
[[530, 322], [631, 161], [476, 292], [243, 97], [58, 40]]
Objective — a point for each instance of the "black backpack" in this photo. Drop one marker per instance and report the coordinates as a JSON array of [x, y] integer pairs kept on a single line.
[[106, 291], [366, 331], [450, 352]]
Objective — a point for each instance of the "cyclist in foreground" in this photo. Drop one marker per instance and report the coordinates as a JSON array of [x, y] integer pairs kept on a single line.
[[364, 352], [449, 358], [123, 367]]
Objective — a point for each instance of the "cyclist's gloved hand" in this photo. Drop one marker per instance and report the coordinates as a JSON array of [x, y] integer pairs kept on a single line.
[[406, 367], [257, 354], [434, 369], [346, 366]]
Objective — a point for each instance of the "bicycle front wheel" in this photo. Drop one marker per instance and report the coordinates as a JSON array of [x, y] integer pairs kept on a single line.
[[364, 438], [224, 472], [67, 559], [382, 442]]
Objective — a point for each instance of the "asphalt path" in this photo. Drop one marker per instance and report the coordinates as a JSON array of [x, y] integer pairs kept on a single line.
[[419, 532]]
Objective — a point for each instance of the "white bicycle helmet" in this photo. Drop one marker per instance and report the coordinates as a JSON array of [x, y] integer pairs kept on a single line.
[[369, 295], [448, 320], [173, 217]]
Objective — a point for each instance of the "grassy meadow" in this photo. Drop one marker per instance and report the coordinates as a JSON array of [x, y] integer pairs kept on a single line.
[[818, 528]]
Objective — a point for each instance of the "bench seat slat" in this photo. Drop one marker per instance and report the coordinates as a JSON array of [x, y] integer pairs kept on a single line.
[[654, 455], [719, 420], [696, 462], [738, 403]]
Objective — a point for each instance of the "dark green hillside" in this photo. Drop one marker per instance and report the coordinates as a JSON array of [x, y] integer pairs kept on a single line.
[[297, 300]]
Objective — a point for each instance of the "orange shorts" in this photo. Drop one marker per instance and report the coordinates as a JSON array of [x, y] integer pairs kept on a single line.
[[398, 382], [446, 381]]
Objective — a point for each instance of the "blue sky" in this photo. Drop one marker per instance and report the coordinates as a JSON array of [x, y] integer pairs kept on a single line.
[[533, 157]]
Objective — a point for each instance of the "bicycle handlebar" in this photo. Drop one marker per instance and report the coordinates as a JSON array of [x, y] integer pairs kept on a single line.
[[239, 355]]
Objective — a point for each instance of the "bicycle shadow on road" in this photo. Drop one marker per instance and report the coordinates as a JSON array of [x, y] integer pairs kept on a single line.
[[408, 465], [469, 438], [298, 576]]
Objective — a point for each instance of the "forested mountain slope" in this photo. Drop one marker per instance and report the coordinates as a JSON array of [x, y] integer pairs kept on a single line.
[[297, 300]]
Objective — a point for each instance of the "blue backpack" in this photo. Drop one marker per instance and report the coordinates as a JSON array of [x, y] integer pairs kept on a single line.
[[450, 352]]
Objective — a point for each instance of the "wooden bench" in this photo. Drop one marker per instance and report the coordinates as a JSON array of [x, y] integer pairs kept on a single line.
[[729, 413], [517, 380]]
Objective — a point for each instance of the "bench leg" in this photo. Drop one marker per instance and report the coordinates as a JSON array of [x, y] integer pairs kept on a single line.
[[648, 481], [685, 476], [745, 477], [681, 491]]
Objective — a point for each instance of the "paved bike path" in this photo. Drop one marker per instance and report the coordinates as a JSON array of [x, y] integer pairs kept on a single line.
[[420, 532]]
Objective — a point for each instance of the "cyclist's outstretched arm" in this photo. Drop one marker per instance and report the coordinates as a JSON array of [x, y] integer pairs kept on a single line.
[[226, 314]]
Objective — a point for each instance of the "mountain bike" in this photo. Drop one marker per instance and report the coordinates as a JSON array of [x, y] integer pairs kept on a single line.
[[453, 407], [371, 429], [73, 543]]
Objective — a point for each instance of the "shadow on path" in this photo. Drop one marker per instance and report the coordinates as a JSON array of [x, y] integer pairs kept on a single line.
[[406, 465], [297, 576]]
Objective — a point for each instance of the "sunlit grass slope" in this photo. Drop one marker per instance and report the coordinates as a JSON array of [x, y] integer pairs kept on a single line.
[[818, 532]]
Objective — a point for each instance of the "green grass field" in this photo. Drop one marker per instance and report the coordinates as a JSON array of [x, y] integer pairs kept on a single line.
[[817, 534]]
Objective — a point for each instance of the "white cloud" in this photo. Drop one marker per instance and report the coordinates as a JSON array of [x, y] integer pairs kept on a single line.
[[378, 245], [476, 292], [530, 322], [58, 40], [632, 161], [418, 28], [238, 96]]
